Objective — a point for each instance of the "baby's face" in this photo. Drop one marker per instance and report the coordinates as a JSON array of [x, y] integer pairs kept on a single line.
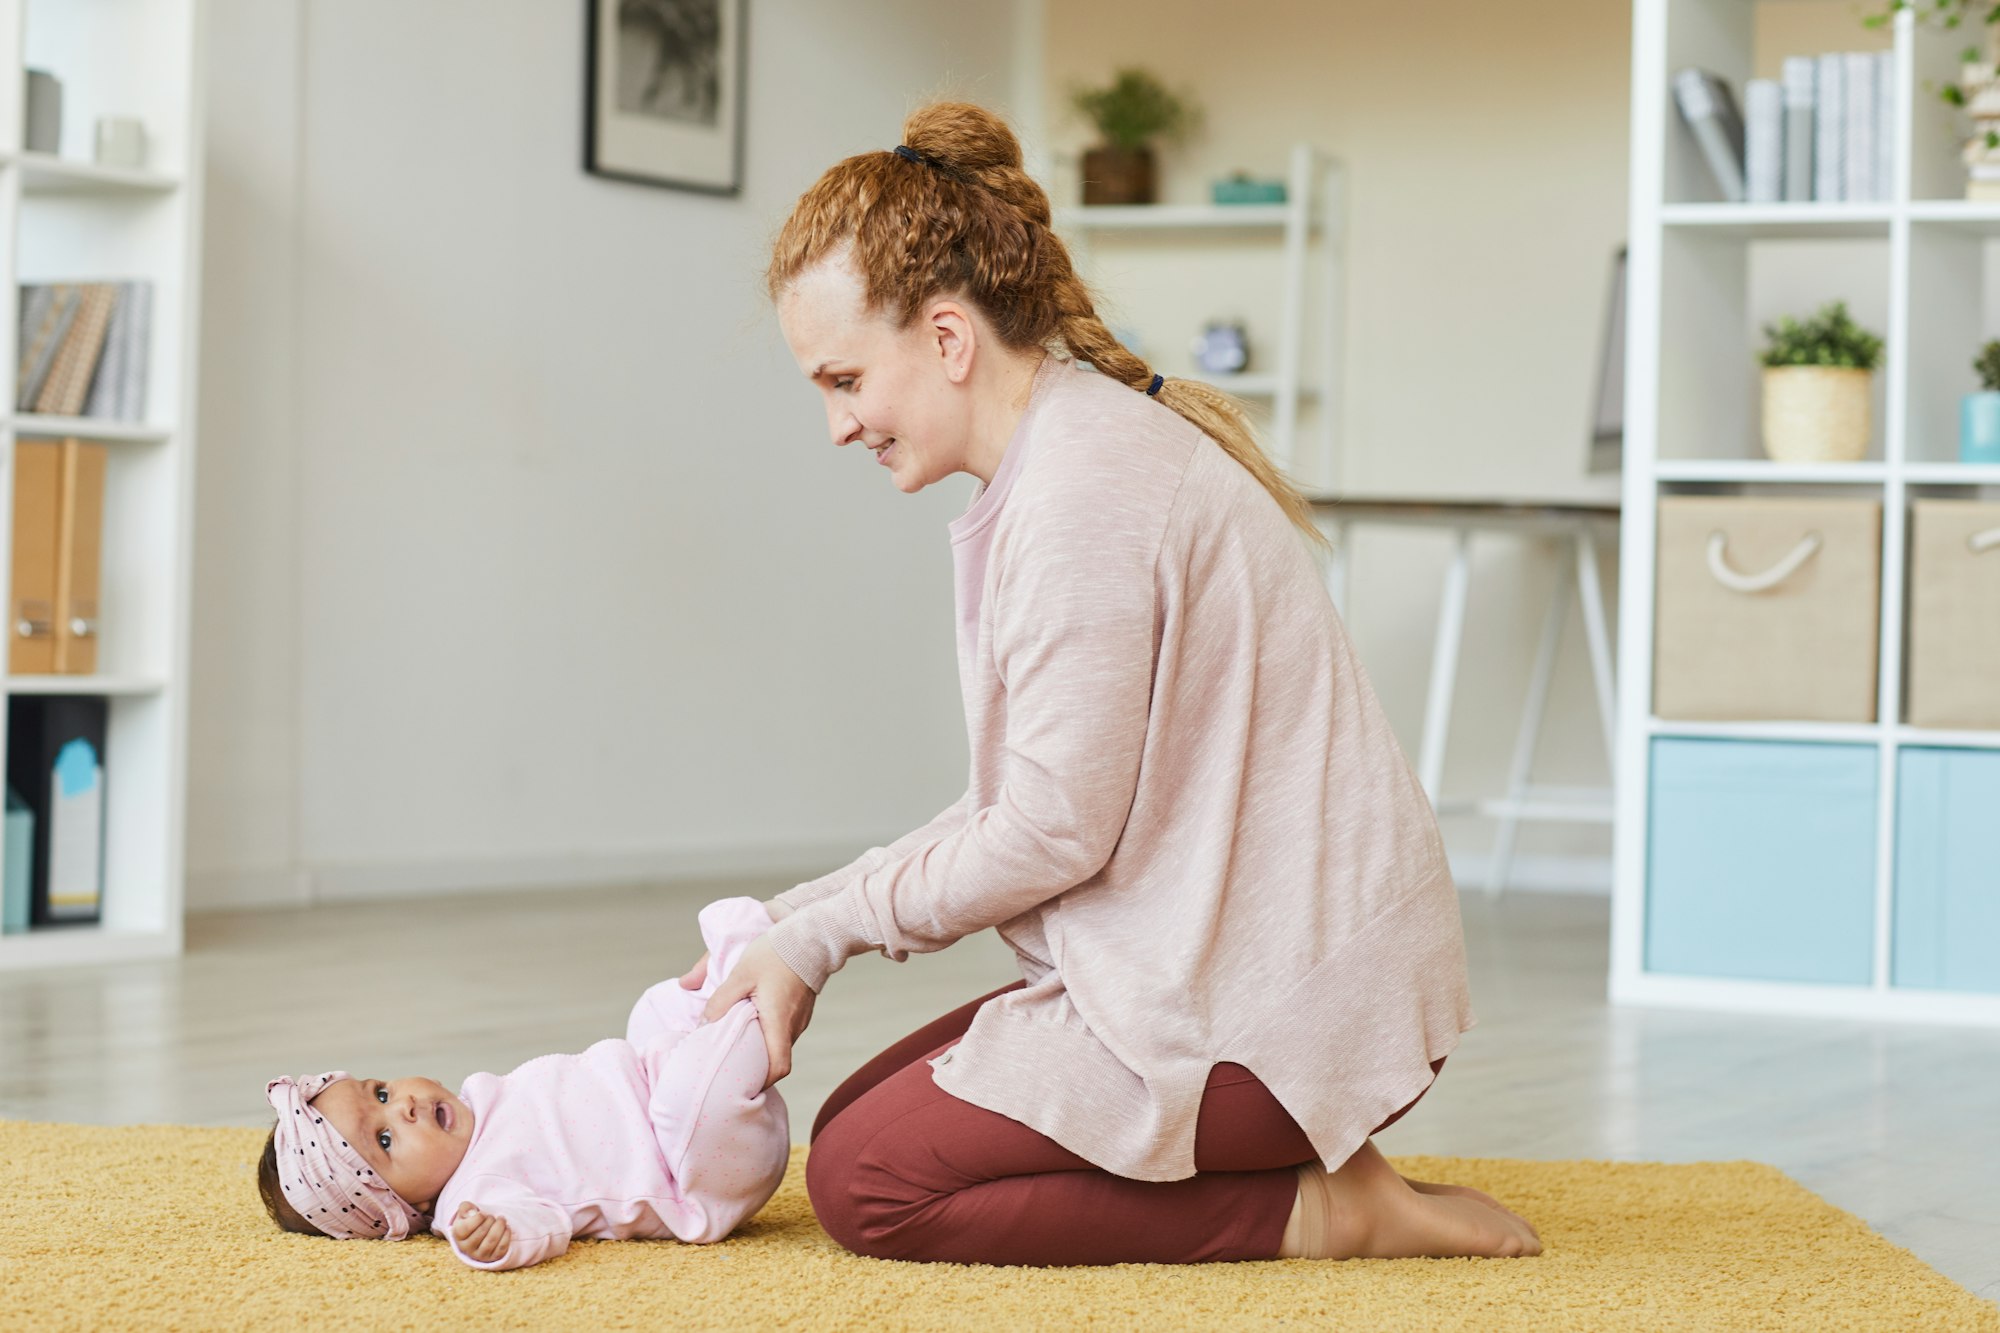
[[411, 1131]]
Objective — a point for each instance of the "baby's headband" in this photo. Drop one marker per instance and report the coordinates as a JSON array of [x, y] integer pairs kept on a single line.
[[324, 1177]]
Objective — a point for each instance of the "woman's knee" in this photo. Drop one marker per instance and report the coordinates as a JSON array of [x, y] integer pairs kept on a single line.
[[854, 1202]]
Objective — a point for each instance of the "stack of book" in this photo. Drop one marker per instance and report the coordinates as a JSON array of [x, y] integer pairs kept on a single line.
[[1825, 133], [1981, 86], [84, 349]]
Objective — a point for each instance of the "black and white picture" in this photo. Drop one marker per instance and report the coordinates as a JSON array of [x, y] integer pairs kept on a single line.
[[664, 92]]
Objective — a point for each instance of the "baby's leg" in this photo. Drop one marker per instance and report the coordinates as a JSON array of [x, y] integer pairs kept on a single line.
[[725, 1137]]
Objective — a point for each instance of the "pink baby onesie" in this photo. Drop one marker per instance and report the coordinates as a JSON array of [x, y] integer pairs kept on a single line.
[[666, 1132]]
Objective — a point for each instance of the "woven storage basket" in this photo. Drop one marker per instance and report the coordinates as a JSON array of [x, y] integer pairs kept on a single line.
[[1768, 609], [1817, 414], [1954, 666]]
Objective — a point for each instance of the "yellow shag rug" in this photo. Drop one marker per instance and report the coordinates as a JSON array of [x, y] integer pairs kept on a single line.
[[160, 1227]]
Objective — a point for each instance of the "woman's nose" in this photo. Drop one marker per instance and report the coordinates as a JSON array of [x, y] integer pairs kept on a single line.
[[843, 427]]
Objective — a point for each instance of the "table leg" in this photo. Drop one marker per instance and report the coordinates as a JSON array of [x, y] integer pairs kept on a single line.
[[1521, 769], [1444, 665], [1592, 596]]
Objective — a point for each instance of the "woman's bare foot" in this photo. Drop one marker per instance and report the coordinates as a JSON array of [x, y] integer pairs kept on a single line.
[[1366, 1211], [1466, 1191]]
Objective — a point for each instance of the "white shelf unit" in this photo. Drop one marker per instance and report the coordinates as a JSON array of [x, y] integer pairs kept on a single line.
[[66, 218], [1314, 210], [1692, 422]]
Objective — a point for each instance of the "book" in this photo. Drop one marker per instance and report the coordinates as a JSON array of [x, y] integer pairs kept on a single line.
[[1829, 129], [47, 311], [1798, 138], [76, 361], [1708, 109], [1763, 141], [1885, 124], [102, 400], [1859, 171], [138, 348], [18, 859]]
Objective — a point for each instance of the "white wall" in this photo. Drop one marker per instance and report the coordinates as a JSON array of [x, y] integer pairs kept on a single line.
[[1485, 148], [522, 554]]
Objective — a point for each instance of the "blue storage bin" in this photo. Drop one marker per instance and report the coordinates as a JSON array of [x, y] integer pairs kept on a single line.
[[1761, 861], [1947, 914]]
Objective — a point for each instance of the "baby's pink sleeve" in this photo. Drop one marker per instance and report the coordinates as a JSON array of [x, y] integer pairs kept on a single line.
[[537, 1229], [667, 1012], [724, 1136]]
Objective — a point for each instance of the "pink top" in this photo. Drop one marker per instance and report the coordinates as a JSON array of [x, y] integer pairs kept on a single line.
[[668, 1131], [1186, 812]]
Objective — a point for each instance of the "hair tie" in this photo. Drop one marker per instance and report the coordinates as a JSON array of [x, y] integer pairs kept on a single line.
[[909, 154], [1154, 389]]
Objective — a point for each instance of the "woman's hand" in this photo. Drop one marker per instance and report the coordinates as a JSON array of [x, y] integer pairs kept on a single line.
[[783, 1002], [484, 1236], [697, 974]]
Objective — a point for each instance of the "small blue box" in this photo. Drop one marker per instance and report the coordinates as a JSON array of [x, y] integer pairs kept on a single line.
[[1947, 909], [1761, 861], [1240, 189]]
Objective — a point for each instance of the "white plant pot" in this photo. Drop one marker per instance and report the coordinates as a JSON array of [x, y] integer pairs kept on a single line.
[[1817, 414]]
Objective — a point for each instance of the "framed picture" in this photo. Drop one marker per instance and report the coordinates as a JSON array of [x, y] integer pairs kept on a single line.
[[663, 93]]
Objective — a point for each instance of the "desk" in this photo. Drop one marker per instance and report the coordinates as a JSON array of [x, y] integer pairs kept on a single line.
[[1572, 527]]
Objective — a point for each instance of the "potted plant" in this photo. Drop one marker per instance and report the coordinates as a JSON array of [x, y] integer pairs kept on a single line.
[[1979, 413], [1136, 109], [1817, 381]]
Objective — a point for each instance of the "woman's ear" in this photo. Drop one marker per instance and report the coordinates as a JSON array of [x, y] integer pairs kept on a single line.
[[956, 337]]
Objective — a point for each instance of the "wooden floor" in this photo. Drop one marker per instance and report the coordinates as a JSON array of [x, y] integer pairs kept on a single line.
[[1890, 1121]]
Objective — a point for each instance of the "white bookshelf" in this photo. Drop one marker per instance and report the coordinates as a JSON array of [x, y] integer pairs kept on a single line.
[[66, 218], [1310, 227], [1703, 276]]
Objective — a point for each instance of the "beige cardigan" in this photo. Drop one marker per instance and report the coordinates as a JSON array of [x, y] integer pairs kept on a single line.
[[1187, 813]]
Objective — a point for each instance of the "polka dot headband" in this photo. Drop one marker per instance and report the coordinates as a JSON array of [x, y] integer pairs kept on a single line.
[[324, 1177]]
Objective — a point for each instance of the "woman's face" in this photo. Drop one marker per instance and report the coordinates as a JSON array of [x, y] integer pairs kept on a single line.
[[898, 392]]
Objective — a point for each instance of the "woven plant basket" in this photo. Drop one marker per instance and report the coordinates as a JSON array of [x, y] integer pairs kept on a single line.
[[1817, 414]]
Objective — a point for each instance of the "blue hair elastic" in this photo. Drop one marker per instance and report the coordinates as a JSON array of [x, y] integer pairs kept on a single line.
[[1158, 380], [908, 154]]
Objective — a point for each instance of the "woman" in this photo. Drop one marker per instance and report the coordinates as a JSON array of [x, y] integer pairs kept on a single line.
[[1240, 945]]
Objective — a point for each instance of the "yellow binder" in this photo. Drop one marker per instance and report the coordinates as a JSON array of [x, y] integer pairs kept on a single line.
[[79, 556], [37, 513]]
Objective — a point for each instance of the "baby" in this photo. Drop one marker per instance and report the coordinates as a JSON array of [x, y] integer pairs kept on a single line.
[[669, 1131]]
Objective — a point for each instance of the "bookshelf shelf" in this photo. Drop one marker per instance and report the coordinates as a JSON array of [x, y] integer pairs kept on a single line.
[[1758, 470], [28, 426], [1777, 221], [44, 173], [1173, 217], [1308, 230], [69, 220], [109, 686], [1977, 219], [1920, 270]]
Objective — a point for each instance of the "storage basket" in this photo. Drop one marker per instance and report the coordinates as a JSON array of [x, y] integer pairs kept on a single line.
[[1768, 609], [1954, 665]]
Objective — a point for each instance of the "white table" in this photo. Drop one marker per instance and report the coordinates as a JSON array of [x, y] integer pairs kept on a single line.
[[1572, 529]]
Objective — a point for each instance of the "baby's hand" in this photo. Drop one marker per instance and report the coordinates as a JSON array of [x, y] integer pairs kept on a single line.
[[484, 1236]]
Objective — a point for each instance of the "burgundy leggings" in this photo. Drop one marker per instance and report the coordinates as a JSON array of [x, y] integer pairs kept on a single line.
[[901, 1169]]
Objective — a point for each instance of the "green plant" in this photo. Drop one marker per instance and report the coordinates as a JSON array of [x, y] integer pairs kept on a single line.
[[1950, 15], [1988, 366], [1829, 338], [1136, 107]]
